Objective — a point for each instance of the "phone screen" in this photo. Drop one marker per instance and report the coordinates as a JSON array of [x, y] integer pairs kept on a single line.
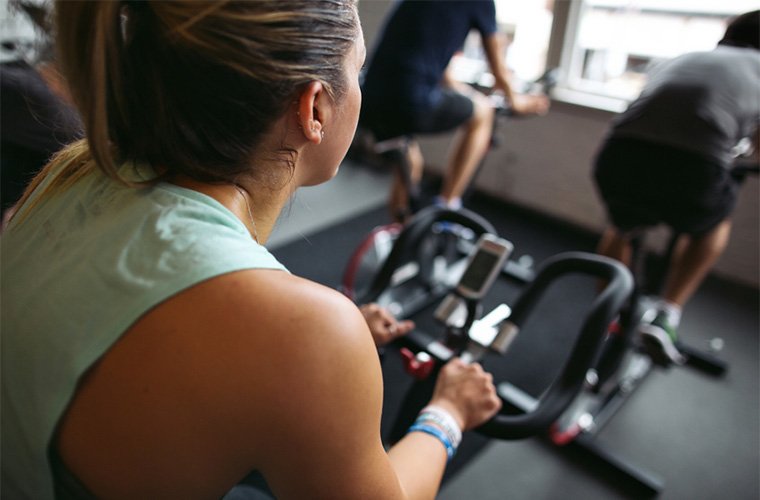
[[478, 271]]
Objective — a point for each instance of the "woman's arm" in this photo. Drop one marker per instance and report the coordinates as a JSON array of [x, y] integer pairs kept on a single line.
[[326, 431], [252, 370]]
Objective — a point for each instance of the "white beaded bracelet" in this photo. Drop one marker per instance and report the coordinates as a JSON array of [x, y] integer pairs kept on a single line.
[[444, 420]]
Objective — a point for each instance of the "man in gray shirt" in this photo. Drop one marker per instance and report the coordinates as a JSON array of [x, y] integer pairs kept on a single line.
[[668, 158]]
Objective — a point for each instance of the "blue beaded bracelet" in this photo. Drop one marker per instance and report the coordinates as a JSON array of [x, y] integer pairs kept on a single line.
[[437, 433]]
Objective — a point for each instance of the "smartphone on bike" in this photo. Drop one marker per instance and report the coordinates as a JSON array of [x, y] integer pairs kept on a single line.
[[483, 266]]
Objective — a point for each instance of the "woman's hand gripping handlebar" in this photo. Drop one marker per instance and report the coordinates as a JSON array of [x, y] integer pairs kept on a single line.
[[467, 392]]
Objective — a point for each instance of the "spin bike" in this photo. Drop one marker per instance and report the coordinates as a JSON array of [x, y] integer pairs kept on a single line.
[[394, 153], [623, 365], [463, 330]]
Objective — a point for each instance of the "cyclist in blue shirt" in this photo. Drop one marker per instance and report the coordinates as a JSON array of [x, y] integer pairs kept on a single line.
[[407, 89]]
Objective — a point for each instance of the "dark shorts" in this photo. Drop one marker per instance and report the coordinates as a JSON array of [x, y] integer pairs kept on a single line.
[[644, 184], [387, 118]]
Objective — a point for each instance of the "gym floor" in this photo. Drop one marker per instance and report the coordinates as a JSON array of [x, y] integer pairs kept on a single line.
[[699, 434]]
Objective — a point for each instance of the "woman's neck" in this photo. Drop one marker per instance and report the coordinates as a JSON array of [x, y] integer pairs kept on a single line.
[[257, 208]]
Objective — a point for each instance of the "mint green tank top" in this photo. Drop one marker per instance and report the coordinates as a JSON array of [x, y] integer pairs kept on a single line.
[[75, 272]]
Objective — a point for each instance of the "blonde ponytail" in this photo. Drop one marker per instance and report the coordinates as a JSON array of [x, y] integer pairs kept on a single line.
[[89, 49], [88, 40]]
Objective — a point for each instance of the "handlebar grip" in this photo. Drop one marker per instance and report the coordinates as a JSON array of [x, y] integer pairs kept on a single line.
[[419, 366], [606, 305]]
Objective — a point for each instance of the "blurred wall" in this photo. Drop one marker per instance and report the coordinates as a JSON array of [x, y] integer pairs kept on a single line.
[[544, 164]]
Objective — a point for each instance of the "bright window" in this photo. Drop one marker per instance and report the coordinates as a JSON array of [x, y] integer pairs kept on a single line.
[[527, 25], [610, 44], [604, 47]]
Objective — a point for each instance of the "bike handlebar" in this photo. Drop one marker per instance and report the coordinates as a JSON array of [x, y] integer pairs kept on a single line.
[[409, 239], [606, 305], [603, 310]]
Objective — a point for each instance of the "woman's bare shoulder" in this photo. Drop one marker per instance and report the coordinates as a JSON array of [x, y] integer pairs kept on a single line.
[[291, 345], [259, 325], [279, 302], [250, 367], [267, 312]]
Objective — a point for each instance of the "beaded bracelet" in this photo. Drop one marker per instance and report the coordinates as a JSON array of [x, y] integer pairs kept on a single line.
[[443, 419]]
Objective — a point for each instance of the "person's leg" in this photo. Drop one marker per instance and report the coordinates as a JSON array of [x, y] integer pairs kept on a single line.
[[616, 245], [628, 178], [701, 211], [398, 200], [393, 124], [700, 205], [694, 258], [470, 147]]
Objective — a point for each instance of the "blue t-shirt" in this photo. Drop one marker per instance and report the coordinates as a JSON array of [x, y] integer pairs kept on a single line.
[[418, 41], [77, 271]]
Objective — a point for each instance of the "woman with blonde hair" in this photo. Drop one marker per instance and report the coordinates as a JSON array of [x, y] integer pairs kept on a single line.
[[151, 346]]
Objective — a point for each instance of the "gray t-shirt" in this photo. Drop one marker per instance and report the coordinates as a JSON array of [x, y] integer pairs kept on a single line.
[[702, 102]]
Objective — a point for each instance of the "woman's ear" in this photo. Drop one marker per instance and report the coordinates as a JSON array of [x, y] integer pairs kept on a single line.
[[312, 111]]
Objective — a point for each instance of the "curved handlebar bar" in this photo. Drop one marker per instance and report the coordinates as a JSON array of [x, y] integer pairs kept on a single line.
[[409, 239], [606, 305]]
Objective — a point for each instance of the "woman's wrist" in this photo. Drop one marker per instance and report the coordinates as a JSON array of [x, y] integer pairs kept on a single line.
[[451, 409], [438, 422]]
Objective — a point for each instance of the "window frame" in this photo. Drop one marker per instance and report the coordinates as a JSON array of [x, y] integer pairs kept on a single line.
[[564, 55]]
